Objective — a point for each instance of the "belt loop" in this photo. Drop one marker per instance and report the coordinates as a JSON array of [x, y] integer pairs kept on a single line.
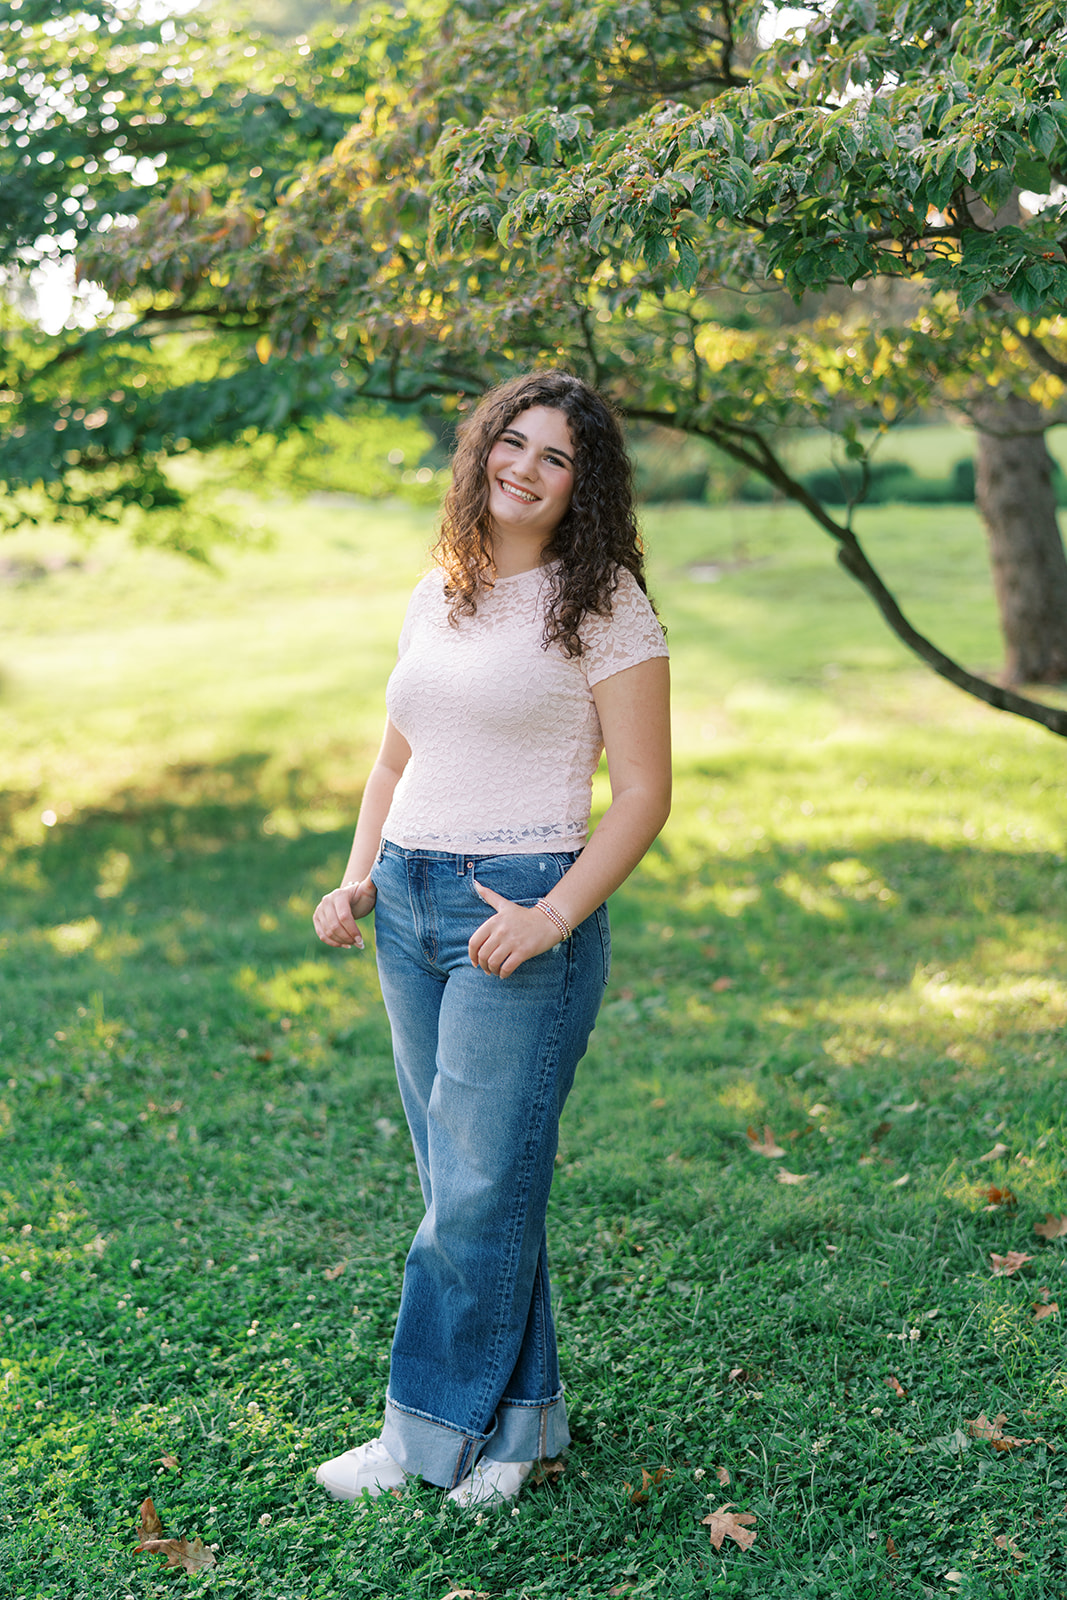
[[461, 866]]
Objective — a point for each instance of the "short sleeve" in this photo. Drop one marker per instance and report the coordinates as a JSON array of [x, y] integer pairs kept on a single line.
[[632, 633], [422, 596]]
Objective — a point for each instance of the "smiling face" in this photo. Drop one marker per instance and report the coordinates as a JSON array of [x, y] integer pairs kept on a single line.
[[531, 477]]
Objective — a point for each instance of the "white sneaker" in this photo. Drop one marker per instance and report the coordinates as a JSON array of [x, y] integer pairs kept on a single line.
[[368, 1469], [491, 1480]]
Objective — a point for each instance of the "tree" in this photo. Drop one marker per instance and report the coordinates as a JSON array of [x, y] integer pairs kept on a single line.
[[1014, 492], [529, 185], [100, 112]]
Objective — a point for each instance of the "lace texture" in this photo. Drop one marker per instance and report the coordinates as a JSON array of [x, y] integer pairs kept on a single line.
[[504, 733]]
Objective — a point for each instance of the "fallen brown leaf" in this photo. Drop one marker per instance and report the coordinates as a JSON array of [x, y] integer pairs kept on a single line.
[[723, 1476], [880, 1132], [1004, 1541], [722, 983], [649, 1480], [150, 1527], [547, 1472], [727, 1524], [170, 1462], [993, 1432], [188, 1556], [1046, 1308], [896, 1386], [767, 1146], [1052, 1227], [891, 1549], [999, 1197], [785, 1176], [461, 1594], [333, 1273], [996, 1154], [1004, 1266]]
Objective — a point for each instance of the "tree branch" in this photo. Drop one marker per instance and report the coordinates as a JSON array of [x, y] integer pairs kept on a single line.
[[217, 314], [1041, 355], [855, 561]]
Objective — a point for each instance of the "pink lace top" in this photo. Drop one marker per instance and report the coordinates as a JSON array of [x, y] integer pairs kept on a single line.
[[504, 733]]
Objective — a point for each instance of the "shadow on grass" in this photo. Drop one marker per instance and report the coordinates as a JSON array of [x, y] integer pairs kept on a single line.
[[165, 939], [184, 911]]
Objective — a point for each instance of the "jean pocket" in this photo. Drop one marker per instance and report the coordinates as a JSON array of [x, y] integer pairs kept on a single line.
[[373, 873], [521, 879]]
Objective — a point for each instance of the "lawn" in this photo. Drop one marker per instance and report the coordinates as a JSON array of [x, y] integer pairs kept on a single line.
[[930, 449], [849, 939]]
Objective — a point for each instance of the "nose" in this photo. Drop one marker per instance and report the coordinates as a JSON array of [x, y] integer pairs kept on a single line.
[[525, 465]]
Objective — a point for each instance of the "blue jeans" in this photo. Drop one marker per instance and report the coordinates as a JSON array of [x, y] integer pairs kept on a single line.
[[484, 1065]]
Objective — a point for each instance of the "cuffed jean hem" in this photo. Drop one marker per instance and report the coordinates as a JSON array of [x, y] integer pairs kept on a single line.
[[445, 1455], [526, 1432]]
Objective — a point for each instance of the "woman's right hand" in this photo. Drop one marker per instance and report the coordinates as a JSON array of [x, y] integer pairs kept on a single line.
[[337, 914]]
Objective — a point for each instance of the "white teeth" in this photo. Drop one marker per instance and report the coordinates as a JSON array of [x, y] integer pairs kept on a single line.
[[519, 494]]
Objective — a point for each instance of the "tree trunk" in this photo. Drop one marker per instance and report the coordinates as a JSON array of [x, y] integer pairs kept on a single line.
[[1013, 490]]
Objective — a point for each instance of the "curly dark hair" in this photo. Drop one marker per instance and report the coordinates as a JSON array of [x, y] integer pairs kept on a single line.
[[596, 538]]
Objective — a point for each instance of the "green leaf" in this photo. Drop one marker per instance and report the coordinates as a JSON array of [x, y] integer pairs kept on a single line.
[[996, 186], [1034, 175], [702, 199], [688, 263], [655, 250], [547, 145], [1043, 132]]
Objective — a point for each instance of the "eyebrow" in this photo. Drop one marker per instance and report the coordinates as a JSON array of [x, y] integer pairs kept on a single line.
[[552, 449]]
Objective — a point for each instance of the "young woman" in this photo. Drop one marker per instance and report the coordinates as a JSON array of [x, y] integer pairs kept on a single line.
[[528, 649]]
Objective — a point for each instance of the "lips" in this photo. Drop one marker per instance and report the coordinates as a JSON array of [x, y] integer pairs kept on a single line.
[[513, 492]]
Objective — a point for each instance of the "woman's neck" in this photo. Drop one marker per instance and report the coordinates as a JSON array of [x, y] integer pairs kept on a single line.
[[512, 556]]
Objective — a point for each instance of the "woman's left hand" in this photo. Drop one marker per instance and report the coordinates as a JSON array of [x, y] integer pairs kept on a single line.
[[511, 935]]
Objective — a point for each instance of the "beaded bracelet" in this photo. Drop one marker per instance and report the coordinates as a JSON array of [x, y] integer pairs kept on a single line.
[[557, 917]]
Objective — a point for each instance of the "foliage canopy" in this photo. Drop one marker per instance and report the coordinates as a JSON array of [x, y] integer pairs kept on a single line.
[[730, 237]]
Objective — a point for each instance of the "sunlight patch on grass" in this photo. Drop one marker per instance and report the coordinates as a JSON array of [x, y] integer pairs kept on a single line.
[[928, 1013], [114, 873], [117, 947], [1032, 1003], [306, 986], [71, 938], [852, 878], [809, 897], [731, 900], [741, 1096]]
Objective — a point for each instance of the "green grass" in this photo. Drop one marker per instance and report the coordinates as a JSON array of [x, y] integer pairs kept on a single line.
[[929, 449], [851, 931]]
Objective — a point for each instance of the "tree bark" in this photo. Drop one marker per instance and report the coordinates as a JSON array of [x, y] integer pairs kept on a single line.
[[1013, 490]]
